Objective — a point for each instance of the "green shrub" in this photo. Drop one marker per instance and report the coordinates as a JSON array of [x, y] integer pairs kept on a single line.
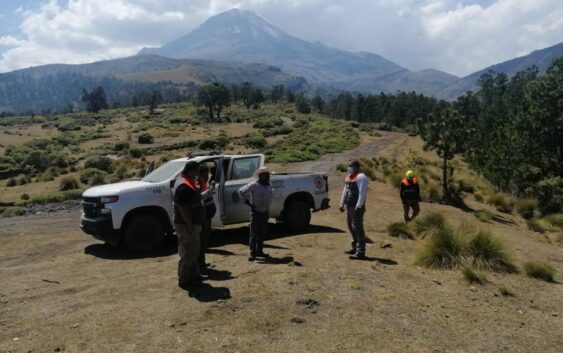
[[37, 160], [53, 198], [550, 195], [506, 292], [12, 211], [68, 183], [214, 143], [535, 225], [254, 140], [474, 277], [483, 216], [11, 182], [426, 225], [501, 202], [135, 152], [526, 207], [489, 253], [145, 138], [24, 179], [541, 271], [400, 230], [281, 130], [267, 123], [121, 146], [24, 197], [101, 163], [444, 249], [555, 219], [92, 176]]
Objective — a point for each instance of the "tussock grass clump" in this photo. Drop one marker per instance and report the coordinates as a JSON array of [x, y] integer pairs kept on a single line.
[[501, 202], [489, 253], [474, 277], [426, 225], [400, 230], [432, 193], [540, 271], [68, 183], [555, 219], [506, 292], [479, 197], [526, 207], [444, 249], [483, 216], [535, 225]]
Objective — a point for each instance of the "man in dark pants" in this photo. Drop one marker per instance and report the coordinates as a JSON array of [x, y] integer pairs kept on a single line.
[[258, 195], [410, 196], [188, 218], [210, 210], [353, 201]]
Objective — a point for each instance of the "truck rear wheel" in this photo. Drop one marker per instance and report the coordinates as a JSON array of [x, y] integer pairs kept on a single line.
[[143, 233], [297, 215]]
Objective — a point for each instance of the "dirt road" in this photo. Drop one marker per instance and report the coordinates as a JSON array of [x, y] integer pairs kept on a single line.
[[60, 290]]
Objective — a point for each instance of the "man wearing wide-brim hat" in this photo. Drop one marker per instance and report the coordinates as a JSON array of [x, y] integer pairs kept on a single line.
[[258, 196]]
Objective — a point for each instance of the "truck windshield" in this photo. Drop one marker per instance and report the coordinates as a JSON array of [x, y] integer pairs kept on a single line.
[[164, 172]]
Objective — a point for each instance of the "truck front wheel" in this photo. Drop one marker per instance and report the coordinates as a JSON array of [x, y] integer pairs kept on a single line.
[[297, 215], [143, 233]]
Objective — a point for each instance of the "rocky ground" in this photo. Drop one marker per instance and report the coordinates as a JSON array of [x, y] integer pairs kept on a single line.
[[61, 290]]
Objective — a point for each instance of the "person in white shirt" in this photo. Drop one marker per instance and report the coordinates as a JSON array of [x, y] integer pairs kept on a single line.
[[258, 196], [353, 200]]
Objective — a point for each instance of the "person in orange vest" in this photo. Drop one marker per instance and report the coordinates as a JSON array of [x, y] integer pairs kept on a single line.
[[353, 200], [188, 219], [410, 196], [210, 210]]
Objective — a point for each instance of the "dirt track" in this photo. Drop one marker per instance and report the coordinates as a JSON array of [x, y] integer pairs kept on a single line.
[[60, 290]]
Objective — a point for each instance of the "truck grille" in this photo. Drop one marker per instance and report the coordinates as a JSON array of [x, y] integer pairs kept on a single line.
[[91, 206]]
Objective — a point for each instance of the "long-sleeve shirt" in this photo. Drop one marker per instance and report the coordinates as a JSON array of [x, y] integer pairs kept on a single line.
[[362, 182], [259, 195]]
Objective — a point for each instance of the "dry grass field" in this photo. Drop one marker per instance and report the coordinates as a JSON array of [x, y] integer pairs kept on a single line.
[[61, 290]]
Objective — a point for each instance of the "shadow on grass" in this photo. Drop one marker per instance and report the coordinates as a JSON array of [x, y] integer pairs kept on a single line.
[[219, 238], [204, 292], [502, 220]]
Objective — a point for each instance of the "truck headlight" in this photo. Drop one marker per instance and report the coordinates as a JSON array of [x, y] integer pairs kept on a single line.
[[109, 199]]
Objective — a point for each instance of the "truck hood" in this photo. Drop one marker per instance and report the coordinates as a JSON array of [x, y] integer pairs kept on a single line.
[[115, 189]]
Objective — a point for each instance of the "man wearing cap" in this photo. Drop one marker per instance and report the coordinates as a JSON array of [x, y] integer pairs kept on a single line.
[[353, 200], [410, 196], [188, 220], [258, 196]]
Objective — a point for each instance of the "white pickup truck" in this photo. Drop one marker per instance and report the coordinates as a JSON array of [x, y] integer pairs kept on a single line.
[[138, 214]]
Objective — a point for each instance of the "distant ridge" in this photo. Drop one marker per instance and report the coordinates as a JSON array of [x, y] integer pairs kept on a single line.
[[541, 58]]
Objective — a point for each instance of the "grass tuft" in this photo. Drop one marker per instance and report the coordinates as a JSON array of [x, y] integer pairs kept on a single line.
[[501, 202], [426, 225], [506, 292], [400, 230], [535, 225], [555, 219], [443, 250], [526, 207], [474, 277], [540, 271], [489, 253], [483, 216]]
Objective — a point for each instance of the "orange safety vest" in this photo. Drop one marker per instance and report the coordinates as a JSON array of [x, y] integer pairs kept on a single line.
[[352, 177], [406, 182], [188, 182]]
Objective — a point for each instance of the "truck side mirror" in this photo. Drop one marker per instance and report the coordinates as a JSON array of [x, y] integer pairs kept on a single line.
[[172, 183]]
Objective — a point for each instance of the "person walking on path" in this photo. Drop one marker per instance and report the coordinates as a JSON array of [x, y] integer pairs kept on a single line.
[[410, 196], [209, 209], [188, 220], [353, 200], [258, 196]]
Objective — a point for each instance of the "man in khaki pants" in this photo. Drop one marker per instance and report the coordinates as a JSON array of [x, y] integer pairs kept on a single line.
[[188, 220]]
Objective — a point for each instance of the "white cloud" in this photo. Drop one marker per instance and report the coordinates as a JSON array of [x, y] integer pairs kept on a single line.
[[457, 36]]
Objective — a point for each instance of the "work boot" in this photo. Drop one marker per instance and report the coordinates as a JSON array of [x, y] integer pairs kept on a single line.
[[351, 251], [262, 254], [252, 257], [357, 256]]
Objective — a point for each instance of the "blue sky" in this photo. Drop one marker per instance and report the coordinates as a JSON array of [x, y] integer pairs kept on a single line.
[[456, 36]]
